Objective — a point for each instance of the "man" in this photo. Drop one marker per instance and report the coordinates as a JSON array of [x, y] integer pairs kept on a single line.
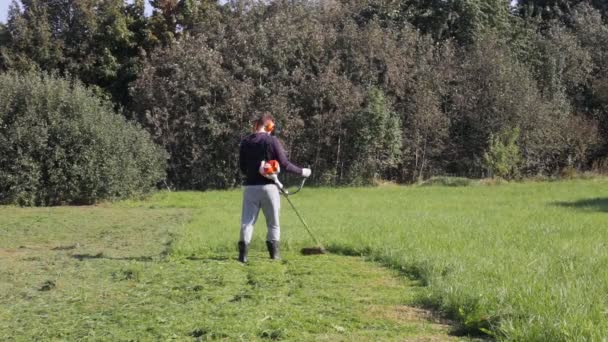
[[261, 192]]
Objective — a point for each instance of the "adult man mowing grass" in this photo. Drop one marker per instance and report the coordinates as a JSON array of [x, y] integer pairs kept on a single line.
[[261, 192]]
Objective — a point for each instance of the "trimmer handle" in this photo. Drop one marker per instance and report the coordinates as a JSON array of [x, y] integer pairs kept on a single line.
[[283, 189]]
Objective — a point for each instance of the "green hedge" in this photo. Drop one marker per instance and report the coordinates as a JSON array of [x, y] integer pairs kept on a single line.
[[61, 144]]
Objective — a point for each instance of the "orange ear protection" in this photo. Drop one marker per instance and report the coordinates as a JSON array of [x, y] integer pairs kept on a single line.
[[268, 126]]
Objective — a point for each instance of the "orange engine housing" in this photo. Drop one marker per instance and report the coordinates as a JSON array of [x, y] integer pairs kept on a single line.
[[271, 167]]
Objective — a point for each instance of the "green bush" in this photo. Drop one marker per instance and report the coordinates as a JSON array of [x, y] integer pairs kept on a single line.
[[503, 156], [448, 181], [374, 142], [60, 144]]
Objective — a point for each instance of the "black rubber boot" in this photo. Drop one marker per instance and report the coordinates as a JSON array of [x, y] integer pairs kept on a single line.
[[243, 249], [273, 249]]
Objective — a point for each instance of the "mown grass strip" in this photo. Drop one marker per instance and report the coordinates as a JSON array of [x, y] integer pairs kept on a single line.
[[99, 273]]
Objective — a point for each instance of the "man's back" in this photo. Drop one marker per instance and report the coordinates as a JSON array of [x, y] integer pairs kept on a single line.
[[254, 149]]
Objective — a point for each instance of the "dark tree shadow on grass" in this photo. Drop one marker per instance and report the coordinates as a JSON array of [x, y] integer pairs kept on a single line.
[[592, 204]]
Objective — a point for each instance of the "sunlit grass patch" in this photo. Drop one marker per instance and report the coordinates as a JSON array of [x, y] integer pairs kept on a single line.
[[518, 261]]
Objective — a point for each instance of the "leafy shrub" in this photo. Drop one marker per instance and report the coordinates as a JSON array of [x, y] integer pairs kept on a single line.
[[492, 181], [448, 181], [568, 172], [600, 166], [60, 144], [374, 140], [503, 156]]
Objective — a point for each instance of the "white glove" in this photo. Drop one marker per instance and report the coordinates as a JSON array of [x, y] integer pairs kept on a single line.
[[306, 172]]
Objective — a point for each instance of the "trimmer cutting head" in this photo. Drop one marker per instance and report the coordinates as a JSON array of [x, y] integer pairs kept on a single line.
[[313, 251]]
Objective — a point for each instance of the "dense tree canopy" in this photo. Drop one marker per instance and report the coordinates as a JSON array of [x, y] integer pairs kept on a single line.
[[563, 10], [363, 90]]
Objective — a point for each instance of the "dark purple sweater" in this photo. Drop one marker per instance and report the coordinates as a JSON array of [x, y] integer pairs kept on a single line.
[[261, 146]]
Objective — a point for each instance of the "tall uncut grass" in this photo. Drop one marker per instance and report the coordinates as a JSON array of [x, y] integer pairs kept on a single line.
[[523, 262]]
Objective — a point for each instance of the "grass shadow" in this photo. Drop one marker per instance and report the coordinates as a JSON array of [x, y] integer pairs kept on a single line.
[[477, 331], [82, 257], [592, 204], [210, 258], [411, 271]]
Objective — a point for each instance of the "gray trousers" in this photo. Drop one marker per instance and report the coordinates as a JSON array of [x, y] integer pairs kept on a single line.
[[268, 198]]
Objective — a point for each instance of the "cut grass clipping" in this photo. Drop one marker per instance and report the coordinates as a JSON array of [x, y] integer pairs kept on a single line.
[[518, 262]]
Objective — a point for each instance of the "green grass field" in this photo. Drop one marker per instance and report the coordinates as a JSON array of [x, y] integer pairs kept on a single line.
[[520, 262]]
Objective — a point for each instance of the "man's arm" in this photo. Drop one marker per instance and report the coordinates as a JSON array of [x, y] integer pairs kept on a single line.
[[281, 157]]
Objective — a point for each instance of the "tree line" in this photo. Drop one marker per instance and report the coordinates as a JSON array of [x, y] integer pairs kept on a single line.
[[362, 90]]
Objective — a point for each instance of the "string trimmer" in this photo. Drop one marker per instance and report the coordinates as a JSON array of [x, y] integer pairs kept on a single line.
[[271, 171]]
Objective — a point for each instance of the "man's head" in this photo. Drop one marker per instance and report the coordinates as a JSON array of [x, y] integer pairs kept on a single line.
[[264, 123]]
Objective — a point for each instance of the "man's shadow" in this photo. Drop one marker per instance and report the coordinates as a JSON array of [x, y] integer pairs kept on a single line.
[[592, 204]]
